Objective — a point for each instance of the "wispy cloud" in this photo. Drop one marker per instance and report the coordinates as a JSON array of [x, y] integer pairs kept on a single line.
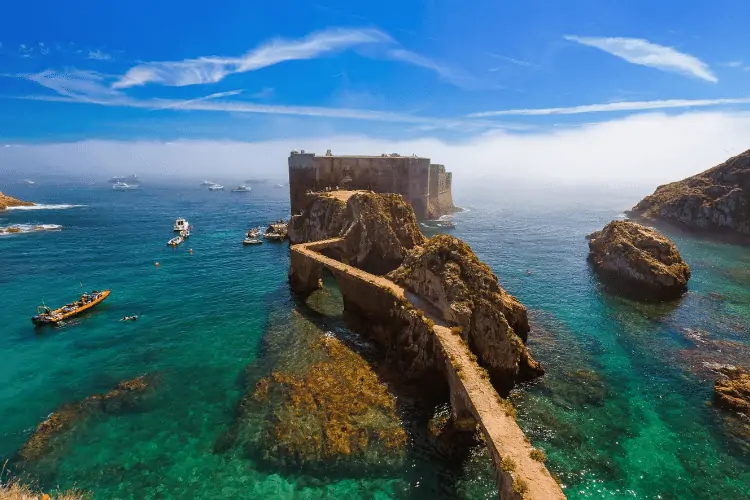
[[214, 69], [645, 53], [517, 62], [84, 86], [98, 55], [615, 106], [449, 74]]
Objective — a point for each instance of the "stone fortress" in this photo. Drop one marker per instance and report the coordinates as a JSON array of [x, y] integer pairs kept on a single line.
[[426, 186]]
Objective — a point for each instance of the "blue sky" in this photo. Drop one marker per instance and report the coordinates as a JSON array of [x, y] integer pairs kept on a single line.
[[445, 71]]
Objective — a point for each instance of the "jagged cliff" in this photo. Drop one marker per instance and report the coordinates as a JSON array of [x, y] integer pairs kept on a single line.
[[464, 292], [378, 229], [715, 200], [638, 261], [8, 201]]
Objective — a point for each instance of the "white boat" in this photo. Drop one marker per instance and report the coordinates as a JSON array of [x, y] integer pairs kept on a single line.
[[207, 183], [28, 182], [252, 241], [181, 225], [279, 185], [242, 189], [175, 241], [130, 179], [216, 187], [253, 233], [122, 186]]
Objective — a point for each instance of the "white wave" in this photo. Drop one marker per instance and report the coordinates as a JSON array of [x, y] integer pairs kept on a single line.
[[61, 206], [28, 228]]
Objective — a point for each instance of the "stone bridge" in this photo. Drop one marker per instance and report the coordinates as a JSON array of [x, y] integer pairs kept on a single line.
[[518, 475]]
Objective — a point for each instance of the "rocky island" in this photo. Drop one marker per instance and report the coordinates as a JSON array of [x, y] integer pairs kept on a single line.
[[716, 200], [8, 201], [638, 262], [436, 310]]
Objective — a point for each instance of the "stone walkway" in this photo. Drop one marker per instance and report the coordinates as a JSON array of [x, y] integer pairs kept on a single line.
[[505, 439]]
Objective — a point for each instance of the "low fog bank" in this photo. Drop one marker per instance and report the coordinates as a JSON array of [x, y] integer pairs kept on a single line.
[[633, 153]]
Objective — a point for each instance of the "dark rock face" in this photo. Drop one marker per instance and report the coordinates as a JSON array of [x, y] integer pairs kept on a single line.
[[716, 200], [732, 391], [378, 229], [446, 274], [638, 262]]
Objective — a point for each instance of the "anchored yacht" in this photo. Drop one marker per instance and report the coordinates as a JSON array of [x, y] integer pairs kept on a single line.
[[181, 225], [216, 187], [242, 189]]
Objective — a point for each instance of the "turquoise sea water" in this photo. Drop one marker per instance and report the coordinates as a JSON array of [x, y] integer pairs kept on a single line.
[[622, 411]]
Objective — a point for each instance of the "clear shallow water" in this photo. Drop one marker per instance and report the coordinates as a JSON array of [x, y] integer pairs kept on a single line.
[[622, 411]]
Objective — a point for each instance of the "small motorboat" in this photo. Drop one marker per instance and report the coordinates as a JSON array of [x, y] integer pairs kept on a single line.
[[181, 225], [122, 186], [207, 183], [216, 187], [175, 241], [252, 241], [276, 231], [46, 316], [279, 185], [242, 189], [253, 233]]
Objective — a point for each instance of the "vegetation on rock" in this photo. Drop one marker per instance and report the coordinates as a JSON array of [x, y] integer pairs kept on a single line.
[[8, 201], [717, 199], [446, 273], [15, 490], [334, 410], [638, 261]]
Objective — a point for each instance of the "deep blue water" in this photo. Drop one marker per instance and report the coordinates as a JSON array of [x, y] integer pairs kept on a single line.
[[621, 412]]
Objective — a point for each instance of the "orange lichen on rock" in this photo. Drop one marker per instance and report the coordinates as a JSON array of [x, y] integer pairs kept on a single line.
[[732, 391], [337, 408]]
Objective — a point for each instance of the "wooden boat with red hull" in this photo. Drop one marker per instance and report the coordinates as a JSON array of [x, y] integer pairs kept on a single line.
[[47, 316]]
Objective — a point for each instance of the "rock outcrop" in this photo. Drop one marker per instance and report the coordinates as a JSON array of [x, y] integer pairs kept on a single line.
[[378, 229], [715, 200], [732, 391], [638, 262], [332, 412], [8, 201], [465, 293], [125, 395]]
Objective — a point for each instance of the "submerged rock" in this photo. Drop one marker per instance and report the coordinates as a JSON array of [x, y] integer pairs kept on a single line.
[[638, 261], [8, 201], [125, 395], [732, 391], [465, 293], [334, 412], [717, 199], [378, 229]]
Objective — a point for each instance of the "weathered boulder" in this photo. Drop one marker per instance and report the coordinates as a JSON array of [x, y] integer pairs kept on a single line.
[[717, 199], [638, 261], [447, 275], [378, 229], [8, 201], [732, 391]]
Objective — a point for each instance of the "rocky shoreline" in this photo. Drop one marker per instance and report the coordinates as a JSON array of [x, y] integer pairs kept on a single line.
[[8, 201], [716, 201]]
